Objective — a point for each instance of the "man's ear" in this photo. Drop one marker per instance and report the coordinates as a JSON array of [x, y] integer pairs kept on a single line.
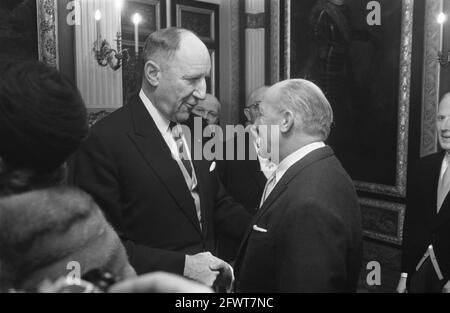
[[247, 114], [287, 121], [152, 73]]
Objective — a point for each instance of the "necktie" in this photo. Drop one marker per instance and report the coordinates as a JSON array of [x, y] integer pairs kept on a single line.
[[443, 188], [268, 189], [177, 136]]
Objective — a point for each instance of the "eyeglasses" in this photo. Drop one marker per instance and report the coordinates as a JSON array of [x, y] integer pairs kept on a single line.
[[254, 106]]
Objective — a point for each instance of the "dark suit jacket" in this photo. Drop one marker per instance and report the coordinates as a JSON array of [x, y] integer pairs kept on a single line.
[[313, 238], [423, 226], [245, 182], [127, 167]]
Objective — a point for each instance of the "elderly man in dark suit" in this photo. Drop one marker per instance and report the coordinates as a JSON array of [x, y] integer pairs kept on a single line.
[[166, 205], [426, 239], [306, 235]]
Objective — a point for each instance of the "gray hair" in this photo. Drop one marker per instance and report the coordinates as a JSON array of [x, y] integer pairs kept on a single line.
[[163, 44], [309, 104]]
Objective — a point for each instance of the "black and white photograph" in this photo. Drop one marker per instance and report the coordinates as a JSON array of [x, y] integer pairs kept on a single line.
[[225, 148]]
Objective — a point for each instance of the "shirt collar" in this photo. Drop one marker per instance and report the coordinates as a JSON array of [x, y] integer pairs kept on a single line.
[[161, 122], [296, 156]]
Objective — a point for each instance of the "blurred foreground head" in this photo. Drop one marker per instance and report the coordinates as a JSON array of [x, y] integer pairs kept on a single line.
[[43, 233], [42, 122]]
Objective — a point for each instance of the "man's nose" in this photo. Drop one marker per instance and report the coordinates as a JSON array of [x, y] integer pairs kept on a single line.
[[200, 89], [445, 125]]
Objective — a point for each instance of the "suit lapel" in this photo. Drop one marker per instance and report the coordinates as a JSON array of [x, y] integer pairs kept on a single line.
[[155, 151], [281, 186]]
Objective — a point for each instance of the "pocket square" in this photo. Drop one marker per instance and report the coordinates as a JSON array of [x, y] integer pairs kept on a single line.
[[212, 167], [259, 229]]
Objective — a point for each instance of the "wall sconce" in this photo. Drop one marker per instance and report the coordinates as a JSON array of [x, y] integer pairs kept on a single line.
[[443, 58], [105, 55]]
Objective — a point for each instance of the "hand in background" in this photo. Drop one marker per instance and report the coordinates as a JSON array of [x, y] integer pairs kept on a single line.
[[401, 287], [209, 270], [159, 282], [446, 288], [226, 277]]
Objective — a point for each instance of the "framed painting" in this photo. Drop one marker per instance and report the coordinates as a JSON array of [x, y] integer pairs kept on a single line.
[[382, 220], [198, 19], [364, 68], [203, 19], [28, 30]]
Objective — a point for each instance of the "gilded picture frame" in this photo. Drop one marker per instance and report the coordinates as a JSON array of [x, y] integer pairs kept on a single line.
[[383, 220], [47, 26], [206, 31]]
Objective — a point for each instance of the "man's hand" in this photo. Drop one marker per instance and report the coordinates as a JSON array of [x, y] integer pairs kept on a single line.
[[401, 287], [226, 276], [446, 288], [159, 282], [209, 270]]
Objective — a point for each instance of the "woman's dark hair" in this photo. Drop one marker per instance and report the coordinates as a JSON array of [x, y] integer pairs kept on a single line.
[[43, 121]]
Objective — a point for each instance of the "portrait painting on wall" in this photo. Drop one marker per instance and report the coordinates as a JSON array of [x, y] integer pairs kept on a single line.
[[203, 19], [356, 61]]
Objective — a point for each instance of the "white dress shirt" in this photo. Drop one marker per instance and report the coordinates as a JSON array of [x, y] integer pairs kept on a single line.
[[266, 165], [445, 163], [294, 157], [286, 164]]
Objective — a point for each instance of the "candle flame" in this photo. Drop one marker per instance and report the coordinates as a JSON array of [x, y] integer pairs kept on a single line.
[[137, 18], [119, 5], [442, 18], [98, 15]]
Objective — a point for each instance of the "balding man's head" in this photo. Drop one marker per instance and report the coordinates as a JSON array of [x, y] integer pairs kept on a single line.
[[209, 109], [310, 108], [300, 114], [251, 110], [177, 63]]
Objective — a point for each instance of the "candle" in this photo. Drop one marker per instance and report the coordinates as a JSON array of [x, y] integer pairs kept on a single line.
[[136, 20], [98, 17], [441, 19], [119, 5]]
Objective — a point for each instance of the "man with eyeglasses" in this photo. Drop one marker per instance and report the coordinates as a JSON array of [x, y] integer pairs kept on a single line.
[[251, 110]]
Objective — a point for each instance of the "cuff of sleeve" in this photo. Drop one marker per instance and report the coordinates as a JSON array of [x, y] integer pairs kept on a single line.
[[404, 275]]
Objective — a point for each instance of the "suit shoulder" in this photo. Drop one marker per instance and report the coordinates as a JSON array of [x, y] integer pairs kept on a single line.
[[427, 163], [431, 159], [116, 121]]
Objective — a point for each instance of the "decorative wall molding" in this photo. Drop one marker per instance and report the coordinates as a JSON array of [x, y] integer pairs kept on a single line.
[[383, 220], [254, 59], [235, 59], [287, 40], [255, 21], [274, 41], [47, 27], [431, 77]]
